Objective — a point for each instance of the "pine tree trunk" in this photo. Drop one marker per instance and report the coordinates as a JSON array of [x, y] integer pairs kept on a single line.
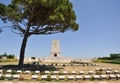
[[22, 50]]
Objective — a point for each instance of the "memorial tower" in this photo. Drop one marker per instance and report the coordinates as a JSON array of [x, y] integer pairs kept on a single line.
[[55, 49]]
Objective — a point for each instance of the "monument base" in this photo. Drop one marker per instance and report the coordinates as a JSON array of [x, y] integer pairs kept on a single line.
[[57, 59]]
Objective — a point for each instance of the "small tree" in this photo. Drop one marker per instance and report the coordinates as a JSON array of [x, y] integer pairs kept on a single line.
[[10, 56], [114, 56], [33, 58], [38, 17]]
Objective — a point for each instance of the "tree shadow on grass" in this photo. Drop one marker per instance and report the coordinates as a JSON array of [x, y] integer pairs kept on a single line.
[[30, 67]]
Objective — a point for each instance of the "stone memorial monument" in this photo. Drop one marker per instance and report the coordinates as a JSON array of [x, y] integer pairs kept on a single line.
[[55, 49], [55, 54]]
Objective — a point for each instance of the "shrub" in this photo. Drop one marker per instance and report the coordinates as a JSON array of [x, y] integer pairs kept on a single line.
[[14, 72], [48, 78], [10, 78], [92, 78], [60, 73], [42, 73], [4, 72], [99, 72], [2, 78]]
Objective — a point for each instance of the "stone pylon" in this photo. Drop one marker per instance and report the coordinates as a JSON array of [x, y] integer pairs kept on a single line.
[[55, 49]]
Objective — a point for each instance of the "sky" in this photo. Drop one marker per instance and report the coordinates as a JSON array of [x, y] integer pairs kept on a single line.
[[98, 34]]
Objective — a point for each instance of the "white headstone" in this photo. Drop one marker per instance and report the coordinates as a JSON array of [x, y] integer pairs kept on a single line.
[[71, 77], [78, 77], [53, 77], [43, 77], [16, 76], [19, 71], [61, 77]]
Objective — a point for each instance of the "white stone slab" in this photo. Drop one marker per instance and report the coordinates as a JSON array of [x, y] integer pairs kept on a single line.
[[109, 68], [16, 76], [22, 82], [65, 72], [103, 69], [53, 64], [103, 82], [78, 77], [112, 76], [27, 72], [90, 72], [34, 76], [108, 72], [103, 76], [97, 69], [19, 71], [56, 72], [9, 71], [1, 75], [58, 64], [87, 76], [66, 64], [61, 77], [73, 72], [8, 75], [37, 72], [70, 77], [118, 75], [44, 77], [1, 71], [53, 77], [47, 72], [96, 76], [89, 82], [116, 71], [82, 72], [61, 64], [8, 82]]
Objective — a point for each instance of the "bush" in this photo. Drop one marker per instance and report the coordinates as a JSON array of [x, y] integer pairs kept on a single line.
[[48, 78], [99, 72], [92, 78], [60, 73], [4, 72], [42, 73], [14, 72], [10, 78], [2, 78], [116, 61]]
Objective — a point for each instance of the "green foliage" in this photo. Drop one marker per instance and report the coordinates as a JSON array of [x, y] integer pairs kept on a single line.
[[42, 73], [10, 56], [10, 78], [14, 72], [116, 61], [114, 56], [58, 15], [60, 72], [98, 72], [38, 17], [92, 78], [32, 57], [2, 77], [48, 78]]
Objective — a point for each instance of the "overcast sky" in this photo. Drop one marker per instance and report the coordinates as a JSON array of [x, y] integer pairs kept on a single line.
[[99, 33]]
